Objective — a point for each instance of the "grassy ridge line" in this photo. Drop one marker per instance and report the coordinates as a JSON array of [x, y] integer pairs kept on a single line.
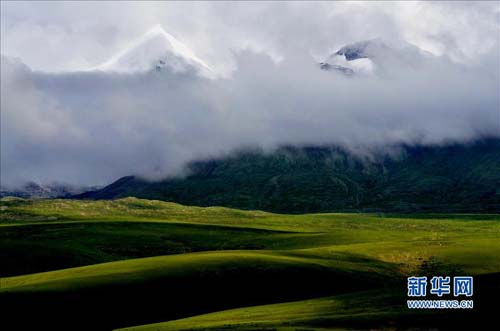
[[155, 266], [43, 246], [158, 266], [148, 290], [291, 315], [129, 208], [380, 309], [456, 255], [16, 210]]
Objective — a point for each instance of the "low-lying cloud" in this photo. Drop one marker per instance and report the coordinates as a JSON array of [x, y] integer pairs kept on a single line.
[[93, 127]]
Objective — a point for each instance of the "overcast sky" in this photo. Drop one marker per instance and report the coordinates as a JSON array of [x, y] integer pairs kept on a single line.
[[59, 124], [74, 35]]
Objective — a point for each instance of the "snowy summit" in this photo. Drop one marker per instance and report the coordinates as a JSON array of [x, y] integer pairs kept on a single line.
[[364, 57], [155, 50]]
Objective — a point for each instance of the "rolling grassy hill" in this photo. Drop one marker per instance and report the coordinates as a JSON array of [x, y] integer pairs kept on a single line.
[[153, 265], [448, 178]]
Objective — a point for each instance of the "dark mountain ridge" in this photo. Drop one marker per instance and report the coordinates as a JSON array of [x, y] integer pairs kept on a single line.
[[449, 178]]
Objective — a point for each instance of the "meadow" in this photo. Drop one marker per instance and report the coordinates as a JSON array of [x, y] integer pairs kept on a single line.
[[154, 265]]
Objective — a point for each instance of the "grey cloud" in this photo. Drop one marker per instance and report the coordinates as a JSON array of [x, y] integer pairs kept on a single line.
[[91, 128]]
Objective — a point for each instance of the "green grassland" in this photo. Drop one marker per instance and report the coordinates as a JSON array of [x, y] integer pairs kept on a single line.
[[152, 265]]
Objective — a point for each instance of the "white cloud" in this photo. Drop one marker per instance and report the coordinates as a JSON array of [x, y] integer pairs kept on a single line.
[[74, 35]]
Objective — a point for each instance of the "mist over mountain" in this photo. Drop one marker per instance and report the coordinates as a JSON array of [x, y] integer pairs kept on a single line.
[[41, 191], [451, 178], [155, 105]]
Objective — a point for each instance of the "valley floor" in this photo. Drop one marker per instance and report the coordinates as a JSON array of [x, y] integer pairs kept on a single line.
[[152, 265]]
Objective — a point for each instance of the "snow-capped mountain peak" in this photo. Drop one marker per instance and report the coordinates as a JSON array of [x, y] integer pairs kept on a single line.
[[366, 56], [156, 49], [378, 48]]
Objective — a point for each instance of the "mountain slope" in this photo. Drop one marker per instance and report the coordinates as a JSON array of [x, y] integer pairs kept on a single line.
[[313, 179]]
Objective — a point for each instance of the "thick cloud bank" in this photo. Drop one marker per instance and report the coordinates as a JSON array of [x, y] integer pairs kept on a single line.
[[93, 127]]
